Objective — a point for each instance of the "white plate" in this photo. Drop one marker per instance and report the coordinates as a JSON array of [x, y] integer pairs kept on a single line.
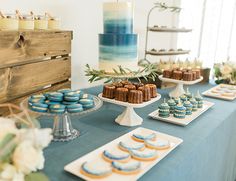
[[126, 104], [188, 119], [74, 167], [180, 81], [208, 93]]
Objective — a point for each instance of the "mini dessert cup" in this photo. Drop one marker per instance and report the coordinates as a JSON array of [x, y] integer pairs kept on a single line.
[[54, 23], [40, 22], [26, 22], [9, 22]]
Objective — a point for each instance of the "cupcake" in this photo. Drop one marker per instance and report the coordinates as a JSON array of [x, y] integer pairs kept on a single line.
[[189, 107], [164, 110], [171, 102], [180, 111], [194, 103], [199, 100]]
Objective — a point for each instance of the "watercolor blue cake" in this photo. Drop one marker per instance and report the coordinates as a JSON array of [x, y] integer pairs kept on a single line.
[[118, 44]]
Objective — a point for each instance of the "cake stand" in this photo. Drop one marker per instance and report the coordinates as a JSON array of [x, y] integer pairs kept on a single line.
[[62, 127], [129, 117], [179, 90]]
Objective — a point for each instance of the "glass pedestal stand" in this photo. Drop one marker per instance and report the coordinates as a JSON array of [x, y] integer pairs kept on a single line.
[[62, 126]]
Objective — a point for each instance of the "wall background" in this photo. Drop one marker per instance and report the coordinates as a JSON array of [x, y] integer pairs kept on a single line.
[[84, 17]]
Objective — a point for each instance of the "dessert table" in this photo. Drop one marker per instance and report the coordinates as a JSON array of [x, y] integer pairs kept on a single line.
[[207, 153]]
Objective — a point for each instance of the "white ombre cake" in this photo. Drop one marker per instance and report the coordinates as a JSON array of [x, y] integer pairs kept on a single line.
[[118, 44]]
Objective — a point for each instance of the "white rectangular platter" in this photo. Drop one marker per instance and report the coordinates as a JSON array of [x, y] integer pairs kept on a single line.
[[209, 93], [188, 119], [74, 167], [126, 104]]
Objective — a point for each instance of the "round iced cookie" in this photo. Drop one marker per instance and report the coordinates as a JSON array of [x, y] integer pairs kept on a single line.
[[164, 110], [180, 111], [71, 96], [141, 137], [131, 145], [55, 96], [172, 105], [115, 155], [57, 108], [132, 167], [146, 155], [74, 108], [158, 144], [189, 107], [39, 107], [86, 96], [96, 170], [63, 91], [194, 103]]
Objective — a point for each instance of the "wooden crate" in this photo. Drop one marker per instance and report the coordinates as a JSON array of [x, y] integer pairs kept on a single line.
[[32, 62]]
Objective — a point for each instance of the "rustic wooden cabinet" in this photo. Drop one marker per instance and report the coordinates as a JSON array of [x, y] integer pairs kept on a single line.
[[33, 62]]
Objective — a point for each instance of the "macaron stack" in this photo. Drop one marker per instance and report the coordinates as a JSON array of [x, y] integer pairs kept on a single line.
[[180, 111], [172, 105], [189, 107], [64, 100], [194, 103], [164, 110], [199, 100], [183, 98]]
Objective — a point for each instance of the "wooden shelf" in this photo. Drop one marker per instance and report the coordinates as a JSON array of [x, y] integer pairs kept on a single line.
[[165, 53], [170, 30]]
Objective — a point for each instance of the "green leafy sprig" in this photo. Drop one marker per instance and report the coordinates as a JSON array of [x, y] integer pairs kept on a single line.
[[163, 7]]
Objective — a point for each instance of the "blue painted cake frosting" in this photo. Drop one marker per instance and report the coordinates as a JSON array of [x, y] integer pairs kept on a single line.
[[118, 44]]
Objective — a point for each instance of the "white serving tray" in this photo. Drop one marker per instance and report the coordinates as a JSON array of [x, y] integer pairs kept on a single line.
[[188, 119], [208, 93], [129, 116], [74, 167]]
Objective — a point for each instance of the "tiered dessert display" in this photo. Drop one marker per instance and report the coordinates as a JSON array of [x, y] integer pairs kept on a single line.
[[128, 157], [131, 96], [181, 110], [61, 105]]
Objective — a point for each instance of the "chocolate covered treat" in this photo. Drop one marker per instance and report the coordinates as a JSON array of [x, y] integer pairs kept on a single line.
[[187, 76], [135, 97], [109, 91], [153, 90], [167, 73], [121, 94], [146, 93], [177, 74]]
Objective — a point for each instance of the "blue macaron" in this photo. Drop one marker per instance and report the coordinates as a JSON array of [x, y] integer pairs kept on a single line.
[[86, 96], [32, 101], [68, 102], [39, 107], [86, 101], [88, 106], [38, 96], [64, 91], [74, 108], [57, 108], [71, 96], [48, 102], [55, 96]]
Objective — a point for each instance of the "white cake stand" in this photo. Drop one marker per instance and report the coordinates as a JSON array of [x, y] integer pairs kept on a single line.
[[129, 117], [179, 89]]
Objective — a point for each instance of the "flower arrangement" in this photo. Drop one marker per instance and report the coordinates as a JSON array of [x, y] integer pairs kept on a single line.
[[225, 73], [21, 147]]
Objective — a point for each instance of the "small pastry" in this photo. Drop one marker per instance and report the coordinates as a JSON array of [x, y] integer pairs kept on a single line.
[[117, 84], [96, 169], [188, 76], [153, 90], [31, 101], [146, 155], [115, 155], [194, 103], [189, 107], [177, 100], [86, 96], [146, 93], [131, 145], [177, 74], [138, 85], [228, 94], [132, 167], [180, 111], [57, 108], [55, 96], [135, 97], [63, 91], [66, 102], [158, 144], [172, 105], [125, 82], [199, 100], [38, 96], [167, 73], [87, 103], [183, 98], [164, 110], [141, 137], [130, 87], [71, 96], [109, 91], [39, 107], [74, 108], [121, 94]]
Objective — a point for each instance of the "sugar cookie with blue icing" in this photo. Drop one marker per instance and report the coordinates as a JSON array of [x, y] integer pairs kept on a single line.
[[115, 155], [96, 169], [158, 144], [145, 155], [131, 145], [74, 108], [141, 137], [39, 107], [57, 108], [131, 167]]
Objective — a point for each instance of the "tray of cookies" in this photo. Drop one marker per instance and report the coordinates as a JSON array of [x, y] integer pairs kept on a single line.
[[222, 91], [181, 110], [128, 157]]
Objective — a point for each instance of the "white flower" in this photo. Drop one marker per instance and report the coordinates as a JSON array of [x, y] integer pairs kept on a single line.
[[7, 126], [26, 158], [225, 69], [9, 173]]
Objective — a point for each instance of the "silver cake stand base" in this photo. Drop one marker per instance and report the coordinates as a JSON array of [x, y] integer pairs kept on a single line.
[[62, 126]]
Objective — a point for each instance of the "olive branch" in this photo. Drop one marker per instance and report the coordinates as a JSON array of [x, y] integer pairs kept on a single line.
[[163, 7]]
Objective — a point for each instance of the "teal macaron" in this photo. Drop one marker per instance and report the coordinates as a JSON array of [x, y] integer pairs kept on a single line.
[[55, 96], [57, 108], [86, 96], [74, 108], [71, 96], [86, 101], [38, 96], [39, 107], [88, 106], [64, 91]]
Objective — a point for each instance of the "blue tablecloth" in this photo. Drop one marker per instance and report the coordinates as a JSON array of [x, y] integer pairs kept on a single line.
[[207, 153]]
